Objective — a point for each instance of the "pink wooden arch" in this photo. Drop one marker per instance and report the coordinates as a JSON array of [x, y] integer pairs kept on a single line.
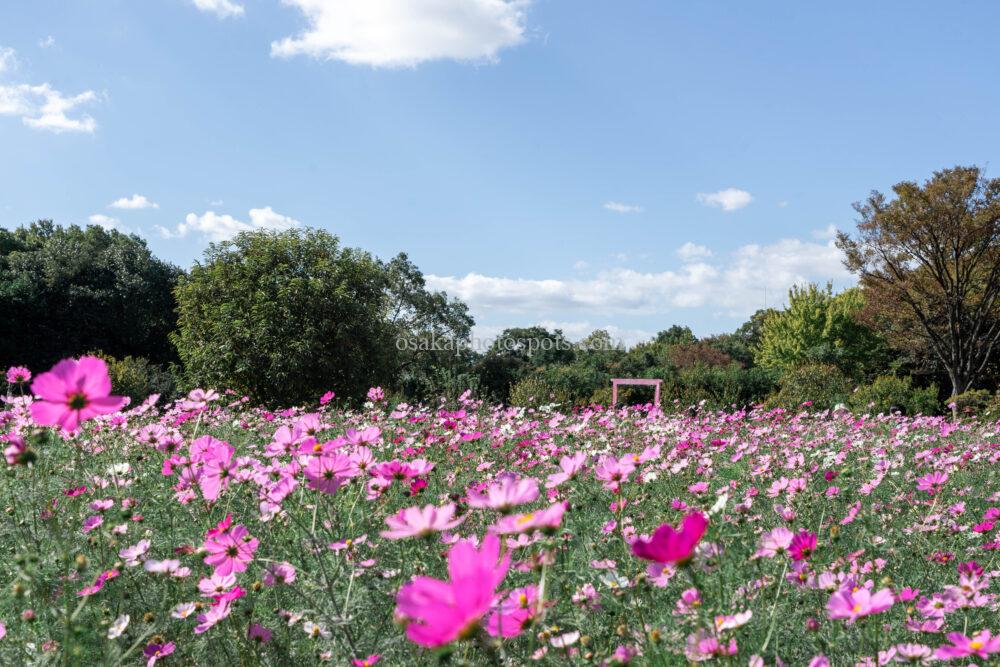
[[617, 381]]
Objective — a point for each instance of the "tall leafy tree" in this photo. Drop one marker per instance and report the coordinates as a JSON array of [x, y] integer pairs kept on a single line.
[[65, 291], [432, 334], [929, 260], [819, 327], [285, 316]]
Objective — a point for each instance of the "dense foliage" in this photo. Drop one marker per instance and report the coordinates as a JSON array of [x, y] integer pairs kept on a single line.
[[68, 291]]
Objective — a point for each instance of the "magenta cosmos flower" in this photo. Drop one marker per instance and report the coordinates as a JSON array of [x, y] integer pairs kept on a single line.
[[673, 546], [421, 521], [933, 482], [440, 612], [18, 374], [980, 645], [230, 551], [802, 545], [852, 605], [73, 392]]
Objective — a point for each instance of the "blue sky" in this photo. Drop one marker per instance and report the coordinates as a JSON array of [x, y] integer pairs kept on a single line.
[[582, 164]]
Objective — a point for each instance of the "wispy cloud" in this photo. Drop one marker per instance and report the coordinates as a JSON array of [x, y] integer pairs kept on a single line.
[[222, 8], [730, 199], [732, 282], [690, 251], [216, 227], [136, 201], [619, 207], [105, 221], [42, 107]]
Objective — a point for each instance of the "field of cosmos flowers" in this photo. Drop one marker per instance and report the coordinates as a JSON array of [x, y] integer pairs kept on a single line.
[[213, 532]]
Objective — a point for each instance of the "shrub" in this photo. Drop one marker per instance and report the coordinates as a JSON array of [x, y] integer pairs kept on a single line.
[[972, 402], [720, 387], [888, 392], [534, 391], [821, 385], [138, 378]]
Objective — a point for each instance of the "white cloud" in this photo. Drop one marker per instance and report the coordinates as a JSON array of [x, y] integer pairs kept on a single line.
[[221, 8], [8, 59], [580, 265], [619, 207], [105, 221], [46, 42], [405, 33], [43, 108], [223, 227], [825, 234], [730, 199], [734, 283], [690, 251], [136, 201]]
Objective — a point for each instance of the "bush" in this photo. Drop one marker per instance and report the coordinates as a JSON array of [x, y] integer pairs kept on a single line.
[[972, 402], [720, 387], [821, 385], [889, 392], [534, 391], [138, 378]]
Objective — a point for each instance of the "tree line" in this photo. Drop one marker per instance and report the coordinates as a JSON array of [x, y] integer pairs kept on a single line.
[[283, 317]]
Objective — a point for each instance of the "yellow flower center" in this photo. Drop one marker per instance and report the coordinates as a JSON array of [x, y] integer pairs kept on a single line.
[[975, 645], [856, 608], [525, 518]]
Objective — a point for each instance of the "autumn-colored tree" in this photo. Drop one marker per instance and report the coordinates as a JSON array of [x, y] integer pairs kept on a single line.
[[931, 259]]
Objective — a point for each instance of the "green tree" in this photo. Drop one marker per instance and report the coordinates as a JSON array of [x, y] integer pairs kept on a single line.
[[282, 317], [432, 333], [66, 291], [821, 328], [516, 352]]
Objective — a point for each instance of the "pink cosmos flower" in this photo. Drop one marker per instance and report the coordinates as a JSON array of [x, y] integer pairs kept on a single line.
[[258, 633], [326, 398], [98, 583], [932, 482], [18, 375], [328, 473], [230, 551], [802, 546], [209, 619], [546, 520], [774, 543], [569, 467], [980, 645], [154, 652], [72, 392], [505, 493], [279, 573], [516, 611], [15, 450], [440, 612], [855, 604], [367, 662], [673, 546], [421, 521], [613, 471]]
